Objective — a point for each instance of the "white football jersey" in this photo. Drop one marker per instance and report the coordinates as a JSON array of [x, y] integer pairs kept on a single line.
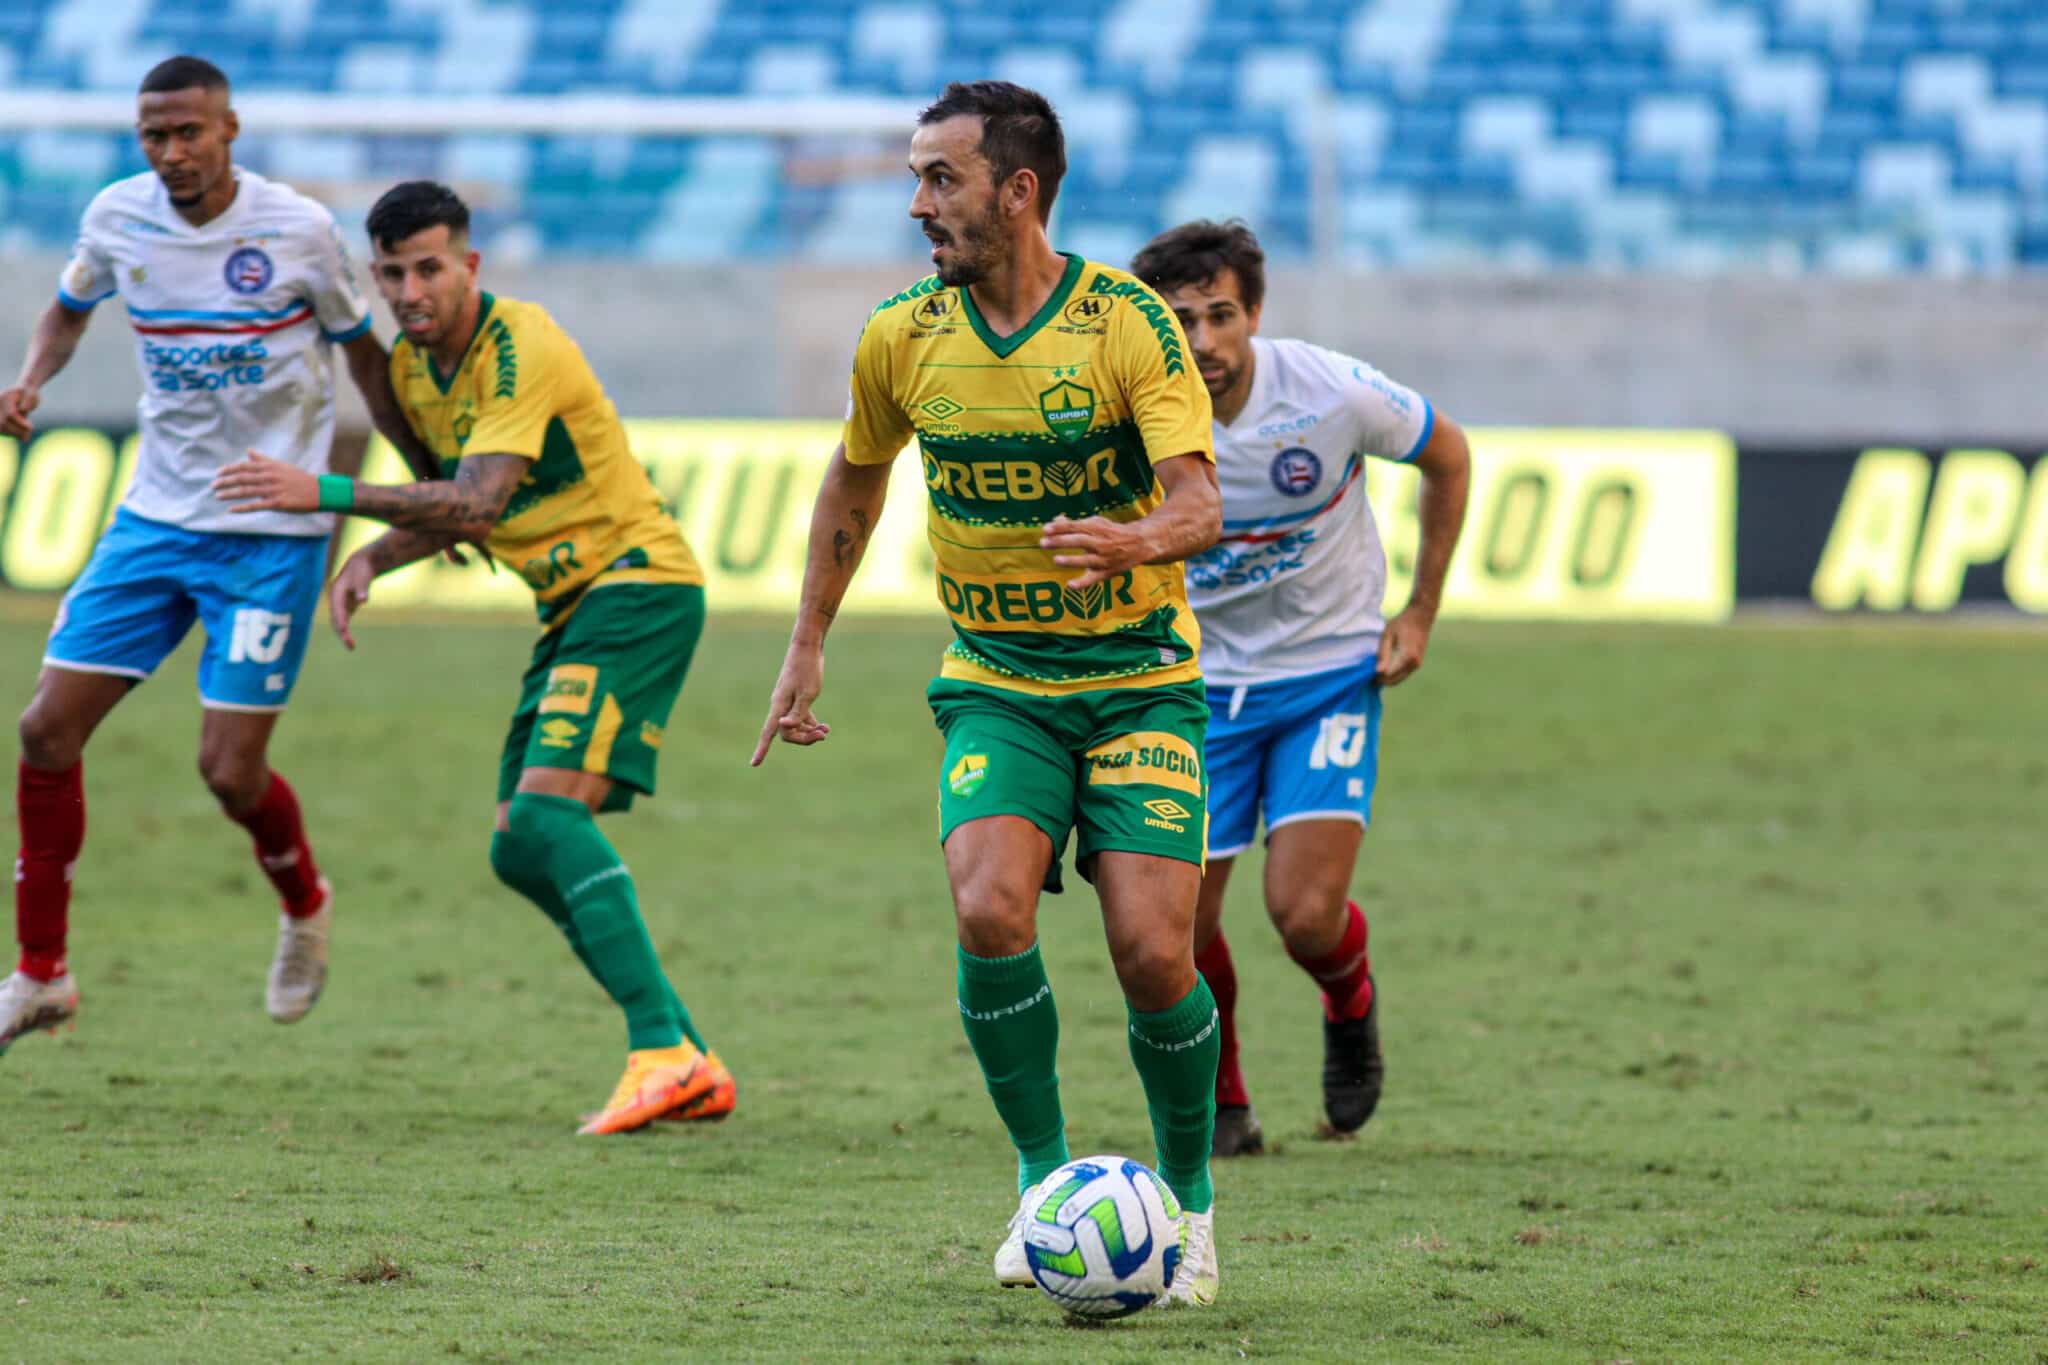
[[1294, 585], [235, 324]]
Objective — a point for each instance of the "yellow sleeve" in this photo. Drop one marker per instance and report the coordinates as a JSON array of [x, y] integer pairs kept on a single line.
[[877, 428], [523, 376], [1149, 357]]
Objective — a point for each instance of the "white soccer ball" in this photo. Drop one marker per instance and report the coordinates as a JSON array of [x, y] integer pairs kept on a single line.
[[1104, 1237]]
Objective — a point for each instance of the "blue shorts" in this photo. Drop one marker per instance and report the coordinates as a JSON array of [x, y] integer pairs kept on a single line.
[[1299, 749], [148, 581]]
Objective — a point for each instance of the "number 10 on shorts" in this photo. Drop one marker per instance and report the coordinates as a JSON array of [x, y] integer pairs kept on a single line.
[[258, 636], [1340, 742]]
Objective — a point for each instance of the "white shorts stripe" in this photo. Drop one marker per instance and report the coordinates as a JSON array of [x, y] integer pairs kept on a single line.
[[209, 704], [1302, 815], [71, 666]]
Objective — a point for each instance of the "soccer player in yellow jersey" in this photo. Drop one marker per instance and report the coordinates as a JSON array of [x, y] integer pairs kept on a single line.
[[536, 468], [1066, 445]]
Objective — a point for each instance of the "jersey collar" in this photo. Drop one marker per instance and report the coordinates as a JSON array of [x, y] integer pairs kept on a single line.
[[168, 215], [483, 311], [1004, 346]]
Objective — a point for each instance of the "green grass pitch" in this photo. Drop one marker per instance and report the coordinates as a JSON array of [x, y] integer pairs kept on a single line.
[[1714, 963]]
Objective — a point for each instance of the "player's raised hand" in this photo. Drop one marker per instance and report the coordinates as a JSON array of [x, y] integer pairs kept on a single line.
[[789, 709], [1097, 545], [261, 484], [15, 406], [347, 593], [1402, 645]]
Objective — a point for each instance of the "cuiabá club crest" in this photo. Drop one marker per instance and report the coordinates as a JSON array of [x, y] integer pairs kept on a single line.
[[1069, 409]]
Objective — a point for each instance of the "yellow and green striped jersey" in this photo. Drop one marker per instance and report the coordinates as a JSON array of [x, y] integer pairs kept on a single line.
[[1067, 415], [585, 516]]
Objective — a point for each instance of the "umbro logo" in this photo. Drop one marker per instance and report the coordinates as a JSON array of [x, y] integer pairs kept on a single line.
[[1167, 814]]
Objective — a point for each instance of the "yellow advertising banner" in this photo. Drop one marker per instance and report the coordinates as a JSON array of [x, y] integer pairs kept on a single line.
[[1586, 525]]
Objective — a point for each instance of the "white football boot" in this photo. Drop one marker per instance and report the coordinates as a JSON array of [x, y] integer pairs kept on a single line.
[[300, 968], [1194, 1282], [1013, 1268], [27, 1004]]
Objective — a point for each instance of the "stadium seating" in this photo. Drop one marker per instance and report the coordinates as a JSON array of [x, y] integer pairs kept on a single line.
[[1849, 135]]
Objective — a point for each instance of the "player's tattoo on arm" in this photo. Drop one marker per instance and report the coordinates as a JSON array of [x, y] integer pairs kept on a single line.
[[397, 548], [848, 545], [467, 505]]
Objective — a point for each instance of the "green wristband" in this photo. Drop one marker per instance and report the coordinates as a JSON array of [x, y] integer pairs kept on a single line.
[[337, 493]]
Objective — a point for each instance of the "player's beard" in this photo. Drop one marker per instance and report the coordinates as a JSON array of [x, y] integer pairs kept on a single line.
[[977, 250], [1225, 381]]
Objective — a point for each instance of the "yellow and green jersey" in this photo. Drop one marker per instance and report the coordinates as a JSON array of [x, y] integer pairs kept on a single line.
[[1067, 415], [585, 516]]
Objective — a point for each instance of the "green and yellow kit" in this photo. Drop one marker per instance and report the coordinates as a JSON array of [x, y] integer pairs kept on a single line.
[[1068, 707], [620, 596]]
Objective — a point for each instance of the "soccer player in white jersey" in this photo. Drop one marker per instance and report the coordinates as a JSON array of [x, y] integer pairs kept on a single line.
[[1295, 649], [238, 289]]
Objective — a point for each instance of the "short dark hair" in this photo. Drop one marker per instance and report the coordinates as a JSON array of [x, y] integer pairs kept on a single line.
[[1197, 252], [182, 73], [413, 207], [1019, 131]]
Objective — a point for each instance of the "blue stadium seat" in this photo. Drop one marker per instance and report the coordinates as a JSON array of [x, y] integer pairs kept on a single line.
[[1626, 131]]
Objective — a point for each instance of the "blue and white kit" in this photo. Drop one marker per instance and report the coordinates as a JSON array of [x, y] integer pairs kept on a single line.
[[235, 325], [1290, 598]]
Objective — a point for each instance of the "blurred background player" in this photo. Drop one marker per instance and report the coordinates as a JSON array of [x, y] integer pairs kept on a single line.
[[536, 467], [1066, 448], [238, 289], [1295, 648]]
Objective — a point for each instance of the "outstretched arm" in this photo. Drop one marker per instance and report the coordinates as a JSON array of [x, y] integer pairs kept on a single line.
[[849, 504], [466, 506]]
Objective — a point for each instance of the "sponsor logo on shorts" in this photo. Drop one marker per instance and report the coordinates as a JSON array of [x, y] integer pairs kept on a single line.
[[1154, 758], [968, 775], [258, 636], [650, 734], [559, 734], [570, 689], [1165, 815], [1340, 741]]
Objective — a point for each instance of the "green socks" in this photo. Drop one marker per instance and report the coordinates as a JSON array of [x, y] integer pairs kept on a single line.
[[554, 855], [1176, 1050], [1006, 1008]]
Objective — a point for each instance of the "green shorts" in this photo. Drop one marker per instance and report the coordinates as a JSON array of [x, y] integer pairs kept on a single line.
[[1123, 766], [597, 695]]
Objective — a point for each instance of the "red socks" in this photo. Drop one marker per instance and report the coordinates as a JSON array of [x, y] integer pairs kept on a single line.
[[1344, 974], [52, 811], [282, 849], [1214, 963]]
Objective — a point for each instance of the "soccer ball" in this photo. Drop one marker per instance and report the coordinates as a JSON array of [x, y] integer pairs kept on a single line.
[[1104, 1239]]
